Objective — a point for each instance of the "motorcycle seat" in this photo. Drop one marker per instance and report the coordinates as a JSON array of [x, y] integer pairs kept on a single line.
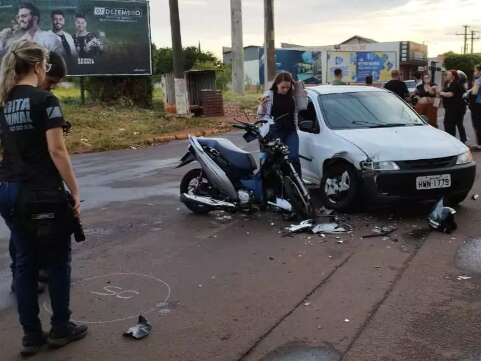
[[238, 157]]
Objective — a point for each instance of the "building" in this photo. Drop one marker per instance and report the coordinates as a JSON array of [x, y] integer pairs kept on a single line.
[[358, 57]]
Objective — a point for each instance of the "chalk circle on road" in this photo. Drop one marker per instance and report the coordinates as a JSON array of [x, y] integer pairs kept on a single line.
[[116, 297]]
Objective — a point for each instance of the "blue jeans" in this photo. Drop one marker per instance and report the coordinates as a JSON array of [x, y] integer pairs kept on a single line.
[[27, 256], [291, 139]]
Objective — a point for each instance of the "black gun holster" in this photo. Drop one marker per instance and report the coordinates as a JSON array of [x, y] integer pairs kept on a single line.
[[44, 214]]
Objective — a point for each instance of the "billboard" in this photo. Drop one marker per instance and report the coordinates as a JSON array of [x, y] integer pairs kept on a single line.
[[95, 37], [303, 65], [344, 60], [377, 64], [357, 65]]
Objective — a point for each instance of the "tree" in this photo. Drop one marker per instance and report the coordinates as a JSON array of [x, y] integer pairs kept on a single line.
[[465, 63], [163, 59]]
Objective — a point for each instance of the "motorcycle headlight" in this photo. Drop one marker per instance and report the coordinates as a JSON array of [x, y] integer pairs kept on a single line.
[[465, 158], [386, 165]]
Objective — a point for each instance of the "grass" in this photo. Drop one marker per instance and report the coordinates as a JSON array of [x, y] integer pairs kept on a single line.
[[97, 127], [248, 101]]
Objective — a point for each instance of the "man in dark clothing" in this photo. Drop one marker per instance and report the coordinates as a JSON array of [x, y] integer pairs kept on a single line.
[[397, 86]]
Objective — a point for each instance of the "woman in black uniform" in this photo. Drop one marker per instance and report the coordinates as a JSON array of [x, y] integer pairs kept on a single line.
[[35, 157], [454, 105]]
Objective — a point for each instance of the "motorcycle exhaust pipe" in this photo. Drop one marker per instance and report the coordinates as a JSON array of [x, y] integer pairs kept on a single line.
[[207, 201]]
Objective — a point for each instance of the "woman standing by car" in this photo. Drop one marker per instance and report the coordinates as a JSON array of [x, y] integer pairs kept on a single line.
[[426, 93], [279, 108], [35, 158], [454, 105], [475, 105]]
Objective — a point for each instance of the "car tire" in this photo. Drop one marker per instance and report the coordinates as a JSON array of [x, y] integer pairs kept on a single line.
[[455, 200], [185, 188], [345, 177]]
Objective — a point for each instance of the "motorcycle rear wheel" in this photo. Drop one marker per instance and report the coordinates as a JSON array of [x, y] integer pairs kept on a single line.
[[194, 182]]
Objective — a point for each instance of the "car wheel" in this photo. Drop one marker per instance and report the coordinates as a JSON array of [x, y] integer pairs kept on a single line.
[[340, 187], [454, 200]]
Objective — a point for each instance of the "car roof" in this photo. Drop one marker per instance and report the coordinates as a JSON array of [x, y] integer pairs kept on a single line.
[[339, 89]]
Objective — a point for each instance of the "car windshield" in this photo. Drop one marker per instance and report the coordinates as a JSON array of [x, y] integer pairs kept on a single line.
[[366, 110]]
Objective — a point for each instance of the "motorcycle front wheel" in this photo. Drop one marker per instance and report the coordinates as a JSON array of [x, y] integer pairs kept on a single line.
[[194, 182], [301, 207]]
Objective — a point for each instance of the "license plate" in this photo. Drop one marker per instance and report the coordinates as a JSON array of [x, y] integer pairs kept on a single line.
[[433, 182]]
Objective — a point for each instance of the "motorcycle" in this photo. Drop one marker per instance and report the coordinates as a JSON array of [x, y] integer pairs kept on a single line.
[[228, 178]]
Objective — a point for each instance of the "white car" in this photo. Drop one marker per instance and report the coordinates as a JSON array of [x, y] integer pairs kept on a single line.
[[364, 143]]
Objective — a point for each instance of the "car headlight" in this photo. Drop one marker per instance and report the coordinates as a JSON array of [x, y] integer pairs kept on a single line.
[[465, 158], [386, 165]]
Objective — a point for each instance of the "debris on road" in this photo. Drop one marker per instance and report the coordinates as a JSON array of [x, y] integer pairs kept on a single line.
[[463, 278], [301, 227], [442, 218], [307, 304], [321, 228], [381, 232], [140, 330], [331, 228], [475, 197], [347, 320]]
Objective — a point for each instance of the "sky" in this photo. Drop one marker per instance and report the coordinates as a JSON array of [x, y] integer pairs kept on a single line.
[[322, 22]]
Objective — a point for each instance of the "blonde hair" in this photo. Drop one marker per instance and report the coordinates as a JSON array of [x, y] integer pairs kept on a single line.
[[18, 62]]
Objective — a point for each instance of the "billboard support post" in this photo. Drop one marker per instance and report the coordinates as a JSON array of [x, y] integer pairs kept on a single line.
[[269, 43], [82, 91], [181, 100], [237, 48]]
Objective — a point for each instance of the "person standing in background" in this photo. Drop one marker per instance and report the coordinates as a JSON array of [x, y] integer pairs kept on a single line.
[[338, 77], [426, 94], [454, 105], [397, 86], [475, 105]]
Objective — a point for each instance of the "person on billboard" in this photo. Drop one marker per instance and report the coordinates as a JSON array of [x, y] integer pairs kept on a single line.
[[88, 44], [69, 51], [8, 36], [28, 19]]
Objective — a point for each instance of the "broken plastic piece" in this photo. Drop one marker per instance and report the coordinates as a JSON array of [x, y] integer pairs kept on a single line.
[[475, 197], [442, 218], [281, 204], [331, 228], [463, 278], [140, 330], [301, 227]]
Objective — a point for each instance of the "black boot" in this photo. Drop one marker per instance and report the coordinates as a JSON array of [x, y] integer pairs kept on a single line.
[[59, 337]]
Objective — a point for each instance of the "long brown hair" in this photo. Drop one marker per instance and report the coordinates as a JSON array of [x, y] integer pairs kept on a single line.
[[280, 77], [18, 62]]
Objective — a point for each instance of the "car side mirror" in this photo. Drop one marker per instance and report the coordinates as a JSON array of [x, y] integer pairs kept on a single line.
[[306, 126]]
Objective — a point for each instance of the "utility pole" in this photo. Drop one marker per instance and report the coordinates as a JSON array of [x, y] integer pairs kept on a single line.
[[237, 47], [181, 100], [465, 48], [473, 38], [269, 43]]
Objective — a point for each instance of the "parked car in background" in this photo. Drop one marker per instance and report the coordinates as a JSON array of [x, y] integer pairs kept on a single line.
[[411, 84], [363, 143]]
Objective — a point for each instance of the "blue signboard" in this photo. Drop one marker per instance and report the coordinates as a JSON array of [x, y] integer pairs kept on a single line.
[[376, 64]]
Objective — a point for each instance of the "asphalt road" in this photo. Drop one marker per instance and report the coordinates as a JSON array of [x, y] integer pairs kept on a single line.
[[233, 289]]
